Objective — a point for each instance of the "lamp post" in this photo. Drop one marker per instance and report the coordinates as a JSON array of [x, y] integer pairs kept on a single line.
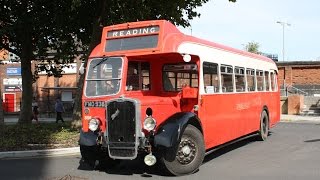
[[283, 24]]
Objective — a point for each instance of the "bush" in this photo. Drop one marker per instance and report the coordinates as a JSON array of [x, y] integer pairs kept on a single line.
[[37, 136]]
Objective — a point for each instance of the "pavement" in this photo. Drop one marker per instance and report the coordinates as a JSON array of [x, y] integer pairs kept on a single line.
[[76, 150], [14, 119], [299, 118]]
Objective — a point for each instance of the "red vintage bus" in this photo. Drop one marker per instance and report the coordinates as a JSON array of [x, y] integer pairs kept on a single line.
[[151, 90]]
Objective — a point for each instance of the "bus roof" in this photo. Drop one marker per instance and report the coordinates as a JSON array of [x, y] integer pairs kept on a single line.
[[166, 38]]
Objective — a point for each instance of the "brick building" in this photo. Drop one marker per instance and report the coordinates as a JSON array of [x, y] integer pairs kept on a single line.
[[45, 89], [300, 87], [302, 76]]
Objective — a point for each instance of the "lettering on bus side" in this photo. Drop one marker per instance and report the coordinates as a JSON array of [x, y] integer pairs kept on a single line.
[[135, 31], [94, 104]]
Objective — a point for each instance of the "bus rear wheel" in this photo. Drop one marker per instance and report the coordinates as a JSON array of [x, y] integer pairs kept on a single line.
[[264, 126], [190, 153]]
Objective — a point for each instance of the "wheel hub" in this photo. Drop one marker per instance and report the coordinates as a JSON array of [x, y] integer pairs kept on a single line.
[[186, 151]]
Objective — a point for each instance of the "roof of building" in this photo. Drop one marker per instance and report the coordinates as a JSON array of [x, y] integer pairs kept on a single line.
[[298, 63]]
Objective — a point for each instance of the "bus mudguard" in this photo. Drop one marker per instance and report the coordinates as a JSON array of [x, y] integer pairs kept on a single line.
[[88, 138], [170, 131]]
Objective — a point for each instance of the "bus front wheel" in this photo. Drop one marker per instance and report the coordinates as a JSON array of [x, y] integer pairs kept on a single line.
[[264, 126], [190, 153]]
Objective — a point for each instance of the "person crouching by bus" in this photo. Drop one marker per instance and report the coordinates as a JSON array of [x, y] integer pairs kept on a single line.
[[59, 110], [35, 110]]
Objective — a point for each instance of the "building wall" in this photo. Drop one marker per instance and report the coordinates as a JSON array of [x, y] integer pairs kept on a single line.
[[44, 81], [304, 76], [44, 88], [299, 75], [5, 91]]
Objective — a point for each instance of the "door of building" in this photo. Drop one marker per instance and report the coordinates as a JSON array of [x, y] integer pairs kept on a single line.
[[9, 101]]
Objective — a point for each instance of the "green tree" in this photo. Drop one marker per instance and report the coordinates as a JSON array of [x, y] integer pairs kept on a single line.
[[31, 28], [1, 110], [252, 47]]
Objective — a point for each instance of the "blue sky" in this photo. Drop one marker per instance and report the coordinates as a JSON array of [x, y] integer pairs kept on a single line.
[[236, 24]]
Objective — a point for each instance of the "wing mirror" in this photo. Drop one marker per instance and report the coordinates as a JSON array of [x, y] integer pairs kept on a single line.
[[81, 69]]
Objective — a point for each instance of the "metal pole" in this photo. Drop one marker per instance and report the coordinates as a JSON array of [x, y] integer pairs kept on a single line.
[[283, 24], [283, 43]]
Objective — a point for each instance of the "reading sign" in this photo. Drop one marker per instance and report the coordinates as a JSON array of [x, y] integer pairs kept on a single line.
[[135, 31]]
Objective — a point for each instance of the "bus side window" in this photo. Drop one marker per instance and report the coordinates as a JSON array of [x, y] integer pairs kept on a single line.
[[260, 84], [133, 76], [240, 80], [145, 75], [250, 80], [226, 78], [273, 81], [138, 77], [168, 81], [177, 76], [210, 77], [266, 80]]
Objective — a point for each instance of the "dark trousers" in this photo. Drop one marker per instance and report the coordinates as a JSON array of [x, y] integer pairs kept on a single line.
[[59, 117]]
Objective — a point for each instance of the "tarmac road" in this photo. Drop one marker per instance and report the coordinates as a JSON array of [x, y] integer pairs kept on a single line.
[[291, 152]]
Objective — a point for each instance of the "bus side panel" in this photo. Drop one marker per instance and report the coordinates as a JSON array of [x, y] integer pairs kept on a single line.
[[274, 108], [230, 116]]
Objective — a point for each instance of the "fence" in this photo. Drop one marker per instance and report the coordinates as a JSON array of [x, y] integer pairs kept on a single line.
[[287, 89]]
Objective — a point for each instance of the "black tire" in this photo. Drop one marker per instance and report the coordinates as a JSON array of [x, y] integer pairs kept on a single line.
[[189, 161], [264, 126], [91, 154]]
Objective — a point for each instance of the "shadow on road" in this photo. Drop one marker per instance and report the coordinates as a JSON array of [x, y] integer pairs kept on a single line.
[[312, 140], [128, 167], [137, 166], [219, 151]]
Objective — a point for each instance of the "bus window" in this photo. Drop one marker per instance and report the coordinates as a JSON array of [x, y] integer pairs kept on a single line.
[[145, 74], [239, 79], [176, 76], [250, 80], [266, 80], [273, 81], [226, 78], [138, 77], [259, 76], [210, 77], [103, 76]]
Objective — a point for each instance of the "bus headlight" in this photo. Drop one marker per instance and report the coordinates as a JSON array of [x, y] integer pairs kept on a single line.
[[149, 123], [94, 124], [150, 159]]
